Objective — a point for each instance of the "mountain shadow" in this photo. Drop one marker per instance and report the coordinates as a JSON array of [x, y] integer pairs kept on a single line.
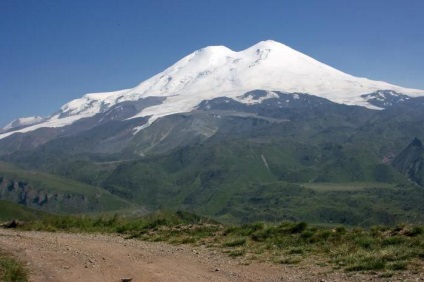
[[410, 162]]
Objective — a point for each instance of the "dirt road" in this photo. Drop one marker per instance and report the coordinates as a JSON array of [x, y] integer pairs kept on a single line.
[[94, 257]]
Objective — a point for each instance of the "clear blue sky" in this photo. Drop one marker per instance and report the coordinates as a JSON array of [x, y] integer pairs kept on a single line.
[[53, 51]]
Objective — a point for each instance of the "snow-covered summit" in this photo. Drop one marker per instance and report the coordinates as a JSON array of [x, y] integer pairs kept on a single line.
[[218, 71]]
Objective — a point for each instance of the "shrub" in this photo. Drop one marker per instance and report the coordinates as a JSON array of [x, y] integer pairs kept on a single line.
[[262, 235], [377, 230], [341, 230], [299, 227], [415, 231], [307, 234], [365, 242]]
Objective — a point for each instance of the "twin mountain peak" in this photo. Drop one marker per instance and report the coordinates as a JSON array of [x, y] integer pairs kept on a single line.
[[218, 71]]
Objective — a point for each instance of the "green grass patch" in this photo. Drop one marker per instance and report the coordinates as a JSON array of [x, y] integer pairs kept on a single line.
[[374, 264], [235, 243], [236, 253], [290, 260], [345, 186], [11, 269], [9, 211]]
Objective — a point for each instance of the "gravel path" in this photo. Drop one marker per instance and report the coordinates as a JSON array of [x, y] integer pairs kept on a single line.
[[95, 257]]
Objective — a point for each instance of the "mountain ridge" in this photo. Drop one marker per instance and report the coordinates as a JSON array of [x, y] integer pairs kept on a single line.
[[217, 71]]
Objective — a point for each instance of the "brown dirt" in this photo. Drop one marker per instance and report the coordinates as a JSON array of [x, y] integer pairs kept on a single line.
[[95, 257]]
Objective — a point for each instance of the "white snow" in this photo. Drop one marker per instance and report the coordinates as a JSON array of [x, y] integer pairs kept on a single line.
[[217, 71], [91, 104], [53, 122], [24, 121], [249, 99]]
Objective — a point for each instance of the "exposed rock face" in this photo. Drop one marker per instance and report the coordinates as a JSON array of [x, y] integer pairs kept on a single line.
[[36, 197], [411, 161]]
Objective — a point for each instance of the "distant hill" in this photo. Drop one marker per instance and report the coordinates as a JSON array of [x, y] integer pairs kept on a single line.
[[54, 193]]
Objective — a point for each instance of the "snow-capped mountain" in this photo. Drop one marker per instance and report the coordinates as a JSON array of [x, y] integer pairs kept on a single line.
[[217, 71], [23, 122]]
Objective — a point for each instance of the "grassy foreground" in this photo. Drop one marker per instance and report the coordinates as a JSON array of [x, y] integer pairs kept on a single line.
[[380, 248], [11, 269]]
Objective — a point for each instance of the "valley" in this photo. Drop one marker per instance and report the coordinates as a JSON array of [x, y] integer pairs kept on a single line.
[[204, 136]]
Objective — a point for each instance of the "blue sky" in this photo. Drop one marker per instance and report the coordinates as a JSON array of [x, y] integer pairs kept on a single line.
[[57, 50]]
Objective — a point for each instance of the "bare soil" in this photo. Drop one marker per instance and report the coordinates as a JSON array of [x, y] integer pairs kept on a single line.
[[97, 257]]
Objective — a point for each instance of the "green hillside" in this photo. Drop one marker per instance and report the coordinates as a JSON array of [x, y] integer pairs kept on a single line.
[[244, 182], [307, 159], [247, 180], [54, 193], [9, 211]]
